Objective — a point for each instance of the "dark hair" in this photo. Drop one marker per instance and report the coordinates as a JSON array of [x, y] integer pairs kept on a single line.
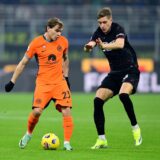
[[104, 12], [52, 22]]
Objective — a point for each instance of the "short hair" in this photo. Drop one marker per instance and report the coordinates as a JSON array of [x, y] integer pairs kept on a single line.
[[104, 12], [52, 22]]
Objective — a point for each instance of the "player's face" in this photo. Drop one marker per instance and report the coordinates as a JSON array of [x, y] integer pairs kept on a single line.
[[105, 23], [55, 32]]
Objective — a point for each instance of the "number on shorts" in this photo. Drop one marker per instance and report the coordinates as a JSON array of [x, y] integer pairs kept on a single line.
[[66, 94]]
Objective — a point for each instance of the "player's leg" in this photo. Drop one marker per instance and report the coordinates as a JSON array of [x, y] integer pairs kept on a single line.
[[108, 88], [41, 100], [63, 104], [67, 126], [32, 121], [125, 91], [102, 95]]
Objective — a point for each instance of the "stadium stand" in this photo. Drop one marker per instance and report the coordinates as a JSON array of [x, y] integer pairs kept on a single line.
[[22, 21]]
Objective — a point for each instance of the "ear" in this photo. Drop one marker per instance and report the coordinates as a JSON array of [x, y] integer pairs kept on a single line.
[[110, 19], [48, 28]]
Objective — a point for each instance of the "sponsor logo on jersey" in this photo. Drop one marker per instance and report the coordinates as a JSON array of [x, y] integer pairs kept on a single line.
[[51, 59]]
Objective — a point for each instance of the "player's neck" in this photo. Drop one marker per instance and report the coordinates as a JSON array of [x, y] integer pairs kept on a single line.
[[46, 37]]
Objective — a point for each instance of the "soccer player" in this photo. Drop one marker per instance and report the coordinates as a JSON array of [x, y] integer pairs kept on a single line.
[[123, 77], [51, 53]]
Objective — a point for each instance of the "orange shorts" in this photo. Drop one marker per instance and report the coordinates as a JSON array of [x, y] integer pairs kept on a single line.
[[60, 93]]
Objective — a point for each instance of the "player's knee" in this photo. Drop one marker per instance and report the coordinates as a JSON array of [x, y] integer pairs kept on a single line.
[[66, 111], [37, 112], [123, 96], [104, 93]]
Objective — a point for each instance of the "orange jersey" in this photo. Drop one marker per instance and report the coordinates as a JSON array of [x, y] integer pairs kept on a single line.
[[49, 56]]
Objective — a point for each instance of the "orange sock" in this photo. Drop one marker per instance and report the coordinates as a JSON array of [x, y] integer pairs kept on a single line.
[[68, 127], [32, 121]]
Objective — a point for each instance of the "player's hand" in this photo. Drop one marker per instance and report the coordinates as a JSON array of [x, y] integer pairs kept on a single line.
[[68, 83], [9, 86], [100, 43], [88, 48]]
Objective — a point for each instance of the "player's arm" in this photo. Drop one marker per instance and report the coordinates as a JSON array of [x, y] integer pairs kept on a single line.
[[89, 46], [19, 69], [65, 64], [66, 67], [117, 44]]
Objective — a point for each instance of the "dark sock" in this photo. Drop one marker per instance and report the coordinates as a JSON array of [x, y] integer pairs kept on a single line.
[[99, 118], [127, 103]]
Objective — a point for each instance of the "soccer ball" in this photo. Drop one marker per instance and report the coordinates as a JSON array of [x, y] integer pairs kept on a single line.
[[50, 141]]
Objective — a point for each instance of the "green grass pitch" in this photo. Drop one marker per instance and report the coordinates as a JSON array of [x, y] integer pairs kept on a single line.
[[15, 107]]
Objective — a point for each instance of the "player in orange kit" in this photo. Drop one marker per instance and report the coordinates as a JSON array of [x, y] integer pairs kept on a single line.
[[51, 53]]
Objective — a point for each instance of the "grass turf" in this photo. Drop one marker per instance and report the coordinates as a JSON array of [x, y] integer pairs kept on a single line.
[[15, 107]]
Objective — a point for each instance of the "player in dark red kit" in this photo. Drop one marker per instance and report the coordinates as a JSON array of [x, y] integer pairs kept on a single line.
[[123, 77]]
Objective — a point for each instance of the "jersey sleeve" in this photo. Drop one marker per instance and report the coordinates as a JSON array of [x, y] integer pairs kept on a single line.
[[31, 50], [120, 33], [66, 45], [94, 36]]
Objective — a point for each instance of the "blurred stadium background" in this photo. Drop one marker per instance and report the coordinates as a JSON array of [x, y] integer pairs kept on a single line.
[[21, 20]]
